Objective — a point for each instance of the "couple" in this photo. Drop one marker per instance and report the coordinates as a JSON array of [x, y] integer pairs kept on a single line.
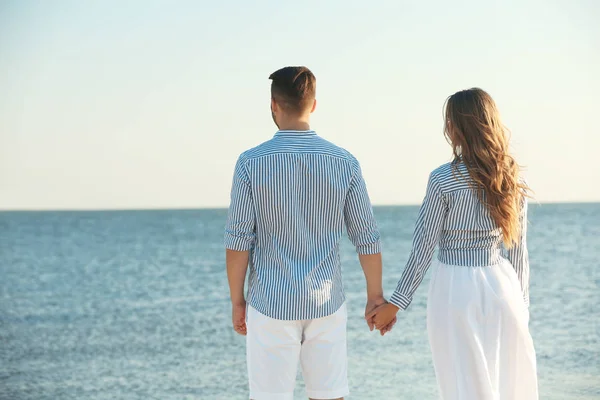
[[293, 196]]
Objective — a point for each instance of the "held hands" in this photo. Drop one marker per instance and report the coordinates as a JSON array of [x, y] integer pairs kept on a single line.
[[374, 320], [383, 317]]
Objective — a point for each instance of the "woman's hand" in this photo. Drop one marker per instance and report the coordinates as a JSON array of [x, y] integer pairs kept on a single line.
[[384, 315]]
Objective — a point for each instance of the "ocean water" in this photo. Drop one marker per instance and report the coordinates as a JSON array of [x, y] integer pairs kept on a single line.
[[134, 305]]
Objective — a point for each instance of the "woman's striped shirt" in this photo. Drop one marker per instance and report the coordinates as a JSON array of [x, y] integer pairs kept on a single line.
[[452, 218]]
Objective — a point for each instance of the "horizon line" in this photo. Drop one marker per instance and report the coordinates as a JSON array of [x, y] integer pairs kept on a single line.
[[41, 210]]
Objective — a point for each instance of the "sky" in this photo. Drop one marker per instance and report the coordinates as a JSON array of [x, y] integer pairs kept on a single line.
[[148, 104]]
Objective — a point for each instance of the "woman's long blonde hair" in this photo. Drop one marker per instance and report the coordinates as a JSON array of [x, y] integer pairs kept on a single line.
[[480, 141]]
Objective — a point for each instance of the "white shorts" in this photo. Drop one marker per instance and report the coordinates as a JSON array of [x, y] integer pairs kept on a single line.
[[275, 347]]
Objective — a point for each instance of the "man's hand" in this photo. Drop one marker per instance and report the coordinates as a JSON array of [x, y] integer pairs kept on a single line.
[[373, 304], [238, 318], [383, 316], [372, 309], [237, 264]]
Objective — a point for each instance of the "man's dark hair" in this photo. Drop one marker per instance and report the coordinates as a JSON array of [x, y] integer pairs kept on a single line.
[[293, 88]]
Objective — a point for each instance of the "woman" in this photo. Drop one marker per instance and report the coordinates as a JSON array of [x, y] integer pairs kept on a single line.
[[475, 210]]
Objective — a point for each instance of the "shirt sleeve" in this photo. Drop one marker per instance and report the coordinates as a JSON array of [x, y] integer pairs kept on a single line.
[[429, 225], [518, 254], [240, 228], [358, 216]]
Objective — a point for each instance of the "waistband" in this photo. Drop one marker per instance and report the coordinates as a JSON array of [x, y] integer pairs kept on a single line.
[[471, 257]]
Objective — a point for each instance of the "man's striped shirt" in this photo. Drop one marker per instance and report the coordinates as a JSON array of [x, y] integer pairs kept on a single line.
[[453, 218], [291, 199]]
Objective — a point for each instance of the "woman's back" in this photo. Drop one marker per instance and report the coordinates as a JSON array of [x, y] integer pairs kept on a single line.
[[469, 235]]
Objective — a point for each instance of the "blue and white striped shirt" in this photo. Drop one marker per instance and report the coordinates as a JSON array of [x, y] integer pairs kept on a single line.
[[453, 218], [291, 198]]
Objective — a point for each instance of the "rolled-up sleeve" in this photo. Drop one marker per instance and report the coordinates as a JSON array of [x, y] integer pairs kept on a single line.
[[358, 215], [240, 227]]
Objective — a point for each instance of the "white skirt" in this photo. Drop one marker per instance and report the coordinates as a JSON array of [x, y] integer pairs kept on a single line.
[[479, 335]]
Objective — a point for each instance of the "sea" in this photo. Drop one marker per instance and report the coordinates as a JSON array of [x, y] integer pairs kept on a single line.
[[134, 305]]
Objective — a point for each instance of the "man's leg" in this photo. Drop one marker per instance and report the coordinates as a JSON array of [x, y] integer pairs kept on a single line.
[[324, 358], [273, 351]]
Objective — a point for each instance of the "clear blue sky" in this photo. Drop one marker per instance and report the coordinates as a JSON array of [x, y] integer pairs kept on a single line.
[[129, 104]]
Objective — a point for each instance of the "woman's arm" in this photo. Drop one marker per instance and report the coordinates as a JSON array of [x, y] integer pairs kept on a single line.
[[518, 255], [428, 228]]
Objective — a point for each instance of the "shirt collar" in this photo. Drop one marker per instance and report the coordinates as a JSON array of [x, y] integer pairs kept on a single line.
[[295, 133]]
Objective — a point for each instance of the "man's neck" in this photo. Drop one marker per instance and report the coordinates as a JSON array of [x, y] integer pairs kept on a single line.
[[298, 125]]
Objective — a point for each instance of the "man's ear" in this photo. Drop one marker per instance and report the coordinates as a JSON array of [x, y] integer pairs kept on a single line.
[[274, 106], [314, 106]]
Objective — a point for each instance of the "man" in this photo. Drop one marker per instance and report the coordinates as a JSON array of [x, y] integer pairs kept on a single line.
[[291, 198]]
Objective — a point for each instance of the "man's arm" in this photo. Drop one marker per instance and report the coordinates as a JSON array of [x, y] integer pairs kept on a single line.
[[239, 240], [237, 264], [363, 233], [372, 268]]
